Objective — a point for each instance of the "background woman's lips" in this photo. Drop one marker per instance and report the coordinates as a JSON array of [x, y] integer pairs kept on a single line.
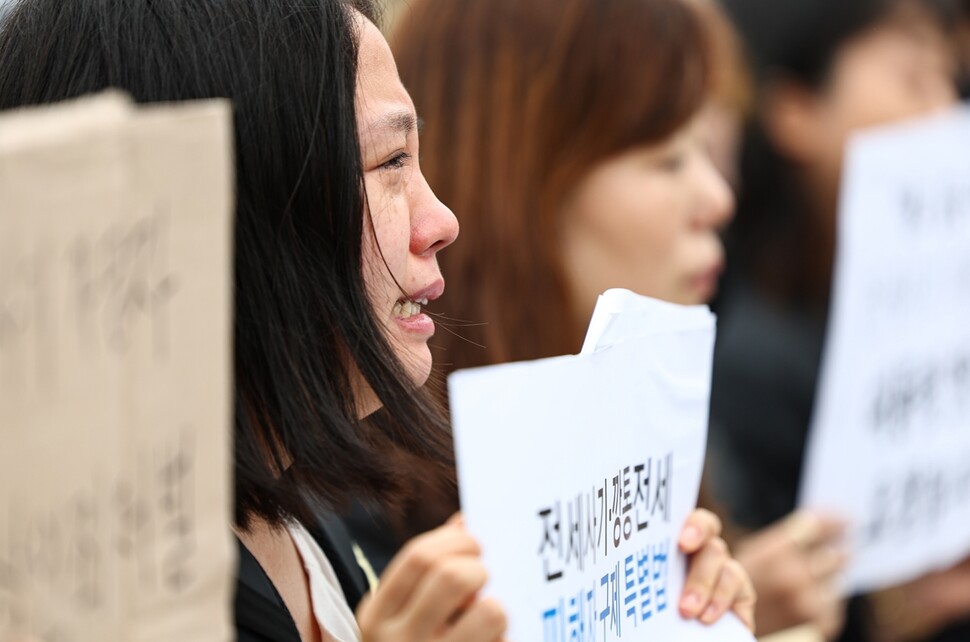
[[707, 281]]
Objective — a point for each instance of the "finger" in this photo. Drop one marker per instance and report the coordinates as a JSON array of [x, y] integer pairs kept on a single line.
[[812, 603], [705, 570], [745, 604], [803, 528], [451, 585], [831, 528], [832, 620], [701, 526], [825, 562], [733, 591], [484, 621], [763, 549], [410, 565]]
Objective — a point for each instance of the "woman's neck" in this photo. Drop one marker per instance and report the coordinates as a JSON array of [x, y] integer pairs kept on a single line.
[[276, 553]]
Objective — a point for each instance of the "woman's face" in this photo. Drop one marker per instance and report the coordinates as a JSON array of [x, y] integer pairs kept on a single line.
[[407, 225], [901, 68], [648, 220]]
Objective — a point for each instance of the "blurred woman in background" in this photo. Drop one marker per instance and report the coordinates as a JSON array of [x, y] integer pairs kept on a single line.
[[824, 69]]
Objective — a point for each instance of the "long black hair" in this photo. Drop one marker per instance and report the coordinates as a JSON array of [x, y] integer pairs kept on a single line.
[[303, 322]]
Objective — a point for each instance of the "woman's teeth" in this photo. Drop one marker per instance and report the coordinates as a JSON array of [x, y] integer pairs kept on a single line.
[[408, 309]]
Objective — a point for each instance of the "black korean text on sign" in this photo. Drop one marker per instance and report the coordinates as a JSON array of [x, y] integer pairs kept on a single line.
[[62, 545], [574, 531], [551, 542], [913, 502], [120, 278]]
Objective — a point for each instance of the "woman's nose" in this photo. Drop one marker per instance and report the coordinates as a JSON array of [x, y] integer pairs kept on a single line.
[[433, 224], [717, 204]]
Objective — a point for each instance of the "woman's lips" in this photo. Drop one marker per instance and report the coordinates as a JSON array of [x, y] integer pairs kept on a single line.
[[419, 324], [430, 292], [706, 282], [408, 312]]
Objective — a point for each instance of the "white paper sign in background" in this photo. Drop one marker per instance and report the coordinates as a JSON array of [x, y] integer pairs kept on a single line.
[[577, 473], [890, 443]]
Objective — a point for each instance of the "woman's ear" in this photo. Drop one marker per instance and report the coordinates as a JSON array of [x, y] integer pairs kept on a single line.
[[794, 121]]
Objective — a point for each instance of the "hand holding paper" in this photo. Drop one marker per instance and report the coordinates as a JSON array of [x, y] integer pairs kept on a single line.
[[600, 457], [889, 447], [715, 582], [429, 592], [795, 563]]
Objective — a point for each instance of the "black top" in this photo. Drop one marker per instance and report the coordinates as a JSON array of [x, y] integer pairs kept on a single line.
[[261, 615], [766, 363]]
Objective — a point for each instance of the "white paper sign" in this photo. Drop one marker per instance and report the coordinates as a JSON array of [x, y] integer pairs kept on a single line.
[[576, 475], [621, 314], [890, 443], [115, 356]]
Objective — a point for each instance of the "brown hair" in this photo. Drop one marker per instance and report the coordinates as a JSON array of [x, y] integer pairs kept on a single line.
[[521, 98], [731, 82]]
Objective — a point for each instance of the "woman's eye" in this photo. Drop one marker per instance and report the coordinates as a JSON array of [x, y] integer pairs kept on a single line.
[[398, 161], [673, 162]]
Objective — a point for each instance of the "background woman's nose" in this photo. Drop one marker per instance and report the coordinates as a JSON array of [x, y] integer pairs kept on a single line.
[[717, 206]]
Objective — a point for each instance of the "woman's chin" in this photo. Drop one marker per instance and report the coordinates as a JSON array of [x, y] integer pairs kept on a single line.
[[417, 363]]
